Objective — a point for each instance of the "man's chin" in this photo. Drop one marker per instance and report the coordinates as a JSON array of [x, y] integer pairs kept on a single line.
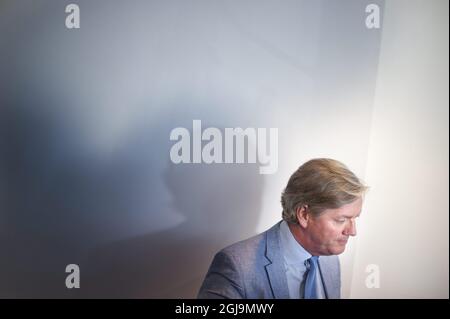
[[337, 250]]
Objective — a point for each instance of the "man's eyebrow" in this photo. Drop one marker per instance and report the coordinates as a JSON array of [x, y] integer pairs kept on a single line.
[[350, 216]]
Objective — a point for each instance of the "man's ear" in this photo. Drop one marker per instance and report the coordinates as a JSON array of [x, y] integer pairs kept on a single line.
[[302, 215]]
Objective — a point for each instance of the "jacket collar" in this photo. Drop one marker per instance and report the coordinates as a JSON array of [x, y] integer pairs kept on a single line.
[[328, 272], [275, 269]]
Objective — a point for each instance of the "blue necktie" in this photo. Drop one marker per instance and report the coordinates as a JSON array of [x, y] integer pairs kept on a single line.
[[311, 284]]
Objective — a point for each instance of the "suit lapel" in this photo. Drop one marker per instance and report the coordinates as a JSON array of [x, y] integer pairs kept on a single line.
[[275, 269], [328, 275]]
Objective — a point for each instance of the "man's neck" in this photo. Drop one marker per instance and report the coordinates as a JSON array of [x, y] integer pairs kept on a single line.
[[301, 238]]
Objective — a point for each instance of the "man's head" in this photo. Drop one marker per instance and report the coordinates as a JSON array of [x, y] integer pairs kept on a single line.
[[320, 203]]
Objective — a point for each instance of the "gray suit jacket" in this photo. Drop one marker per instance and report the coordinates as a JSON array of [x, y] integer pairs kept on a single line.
[[254, 269]]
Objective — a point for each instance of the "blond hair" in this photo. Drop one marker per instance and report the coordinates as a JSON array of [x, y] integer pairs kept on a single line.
[[321, 184]]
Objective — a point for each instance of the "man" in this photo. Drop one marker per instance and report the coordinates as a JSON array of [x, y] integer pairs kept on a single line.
[[296, 258]]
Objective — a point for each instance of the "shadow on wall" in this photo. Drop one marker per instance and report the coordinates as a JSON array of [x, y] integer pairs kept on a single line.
[[220, 204], [63, 204]]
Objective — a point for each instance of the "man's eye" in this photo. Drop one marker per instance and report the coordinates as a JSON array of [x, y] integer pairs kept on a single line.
[[340, 220]]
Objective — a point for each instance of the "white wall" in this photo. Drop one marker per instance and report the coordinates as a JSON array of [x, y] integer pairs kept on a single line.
[[404, 227]]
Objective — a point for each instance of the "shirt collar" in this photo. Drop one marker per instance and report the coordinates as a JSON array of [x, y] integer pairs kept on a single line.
[[293, 252]]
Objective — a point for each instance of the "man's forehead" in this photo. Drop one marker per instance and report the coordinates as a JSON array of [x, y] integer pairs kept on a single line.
[[349, 210]]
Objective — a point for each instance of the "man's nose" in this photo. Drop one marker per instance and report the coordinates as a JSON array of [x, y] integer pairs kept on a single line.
[[350, 230]]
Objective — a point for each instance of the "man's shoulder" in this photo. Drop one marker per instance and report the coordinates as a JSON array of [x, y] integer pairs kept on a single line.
[[253, 245]]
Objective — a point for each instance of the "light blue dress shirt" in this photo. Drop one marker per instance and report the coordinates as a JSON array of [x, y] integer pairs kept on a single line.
[[295, 257]]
